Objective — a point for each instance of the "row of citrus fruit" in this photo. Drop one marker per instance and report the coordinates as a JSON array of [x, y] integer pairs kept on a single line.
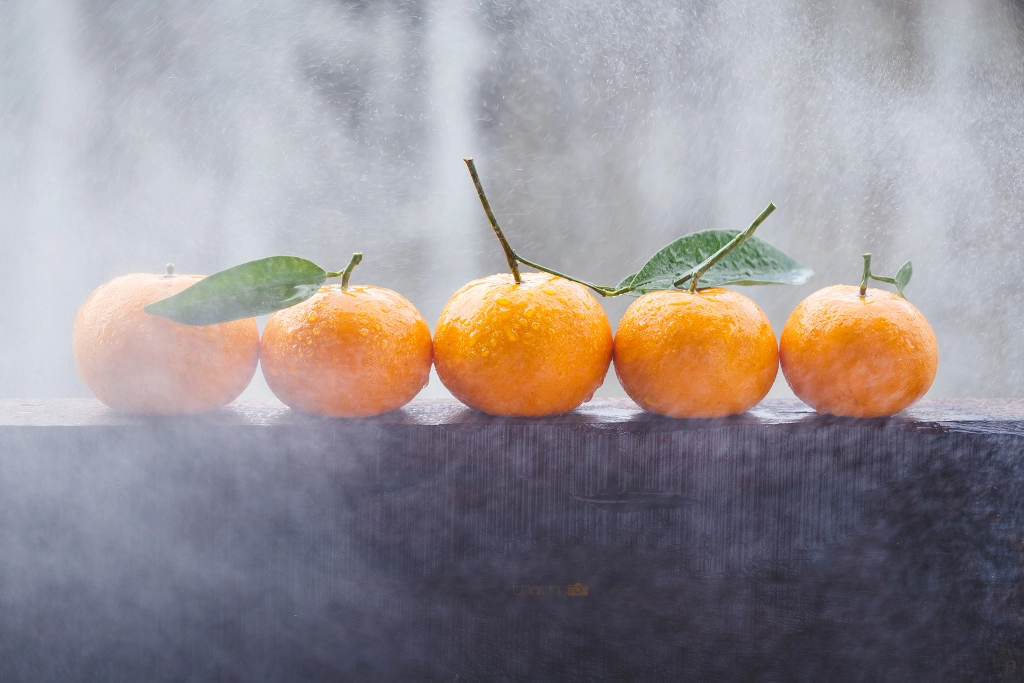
[[538, 347]]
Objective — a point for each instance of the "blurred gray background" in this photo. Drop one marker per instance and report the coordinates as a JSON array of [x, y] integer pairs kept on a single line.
[[211, 132]]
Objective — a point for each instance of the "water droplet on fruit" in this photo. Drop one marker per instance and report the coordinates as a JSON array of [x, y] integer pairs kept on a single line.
[[312, 317], [535, 325], [363, 331]]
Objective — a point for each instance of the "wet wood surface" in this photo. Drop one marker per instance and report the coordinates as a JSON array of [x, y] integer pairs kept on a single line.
[[437, 543]]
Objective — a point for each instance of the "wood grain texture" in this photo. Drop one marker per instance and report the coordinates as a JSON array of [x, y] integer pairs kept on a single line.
[[259, 544]]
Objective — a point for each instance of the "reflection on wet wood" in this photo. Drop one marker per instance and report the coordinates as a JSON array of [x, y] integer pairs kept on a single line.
[[435, 542]]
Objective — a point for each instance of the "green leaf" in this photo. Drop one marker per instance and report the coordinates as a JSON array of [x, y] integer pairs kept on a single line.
[[250, 289], [627, 282], [754, 262], [903, 276]]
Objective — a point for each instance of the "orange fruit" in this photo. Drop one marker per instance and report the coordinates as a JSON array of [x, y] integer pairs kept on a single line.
[[537, 348], [351, 352], [708, 353], [140, 363], [869, 356]]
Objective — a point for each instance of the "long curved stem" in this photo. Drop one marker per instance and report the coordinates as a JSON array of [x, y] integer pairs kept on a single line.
[[600, 289], [510, 255], [698, 271]]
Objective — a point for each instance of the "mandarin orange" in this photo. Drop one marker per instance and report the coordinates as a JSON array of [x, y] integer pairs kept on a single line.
[[347, 352], [858, 356], [140, 363], [708, 353], [537, 348]]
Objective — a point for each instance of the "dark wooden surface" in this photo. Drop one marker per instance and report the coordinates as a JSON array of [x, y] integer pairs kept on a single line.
[[259, 544], [999, 415]]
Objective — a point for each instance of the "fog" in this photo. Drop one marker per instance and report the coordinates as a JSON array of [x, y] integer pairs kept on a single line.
[[210, 133], [258, 543]]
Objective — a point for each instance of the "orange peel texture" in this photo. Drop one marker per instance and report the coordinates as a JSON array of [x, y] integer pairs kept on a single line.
[[870, 356], [350, 352], [710, 353], [140, 363], [538, 348]]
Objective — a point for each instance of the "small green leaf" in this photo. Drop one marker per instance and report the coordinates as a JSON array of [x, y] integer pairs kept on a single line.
[[903, 276], [250, 289], [754, 262]]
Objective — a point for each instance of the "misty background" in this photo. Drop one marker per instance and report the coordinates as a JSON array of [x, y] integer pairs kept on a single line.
[[207, 133]]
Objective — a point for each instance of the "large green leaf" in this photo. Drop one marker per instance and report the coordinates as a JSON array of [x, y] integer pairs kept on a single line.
[[754, 262], [250, 289]]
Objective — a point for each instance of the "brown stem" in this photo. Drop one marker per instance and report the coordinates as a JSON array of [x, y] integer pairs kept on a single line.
[[603, 291], [510, 255]]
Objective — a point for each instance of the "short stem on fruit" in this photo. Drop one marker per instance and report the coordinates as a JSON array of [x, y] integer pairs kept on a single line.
[[510, 255], [695, 275], [600, 289], [352, 263], [347, 273], [170, 269], [866, 275]]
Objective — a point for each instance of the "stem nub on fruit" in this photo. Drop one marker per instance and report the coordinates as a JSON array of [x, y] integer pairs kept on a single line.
[[866, 275], [347, 273], [900, 280]]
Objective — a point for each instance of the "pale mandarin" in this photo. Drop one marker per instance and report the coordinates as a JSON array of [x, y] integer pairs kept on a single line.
[[537, 348], [709, 353], [351, 352], [870, 356], [140, 363]]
